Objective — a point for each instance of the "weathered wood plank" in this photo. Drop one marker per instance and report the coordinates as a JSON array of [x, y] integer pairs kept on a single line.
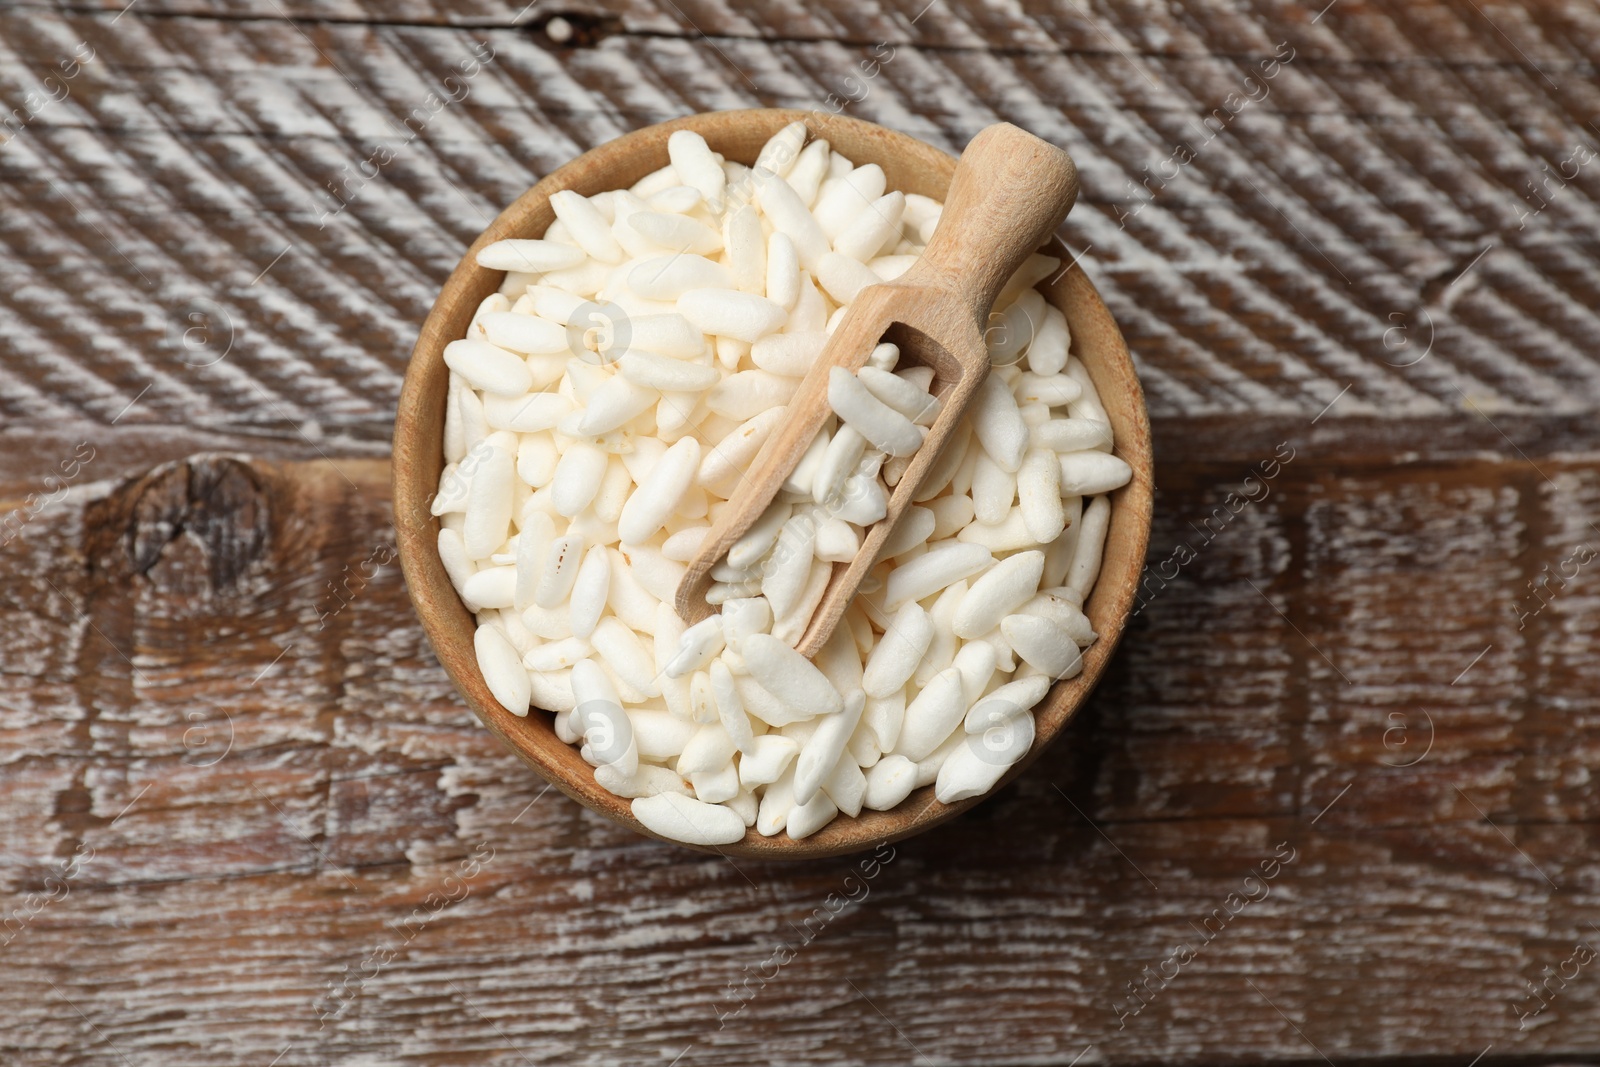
[[1309, 246], [233, 894]]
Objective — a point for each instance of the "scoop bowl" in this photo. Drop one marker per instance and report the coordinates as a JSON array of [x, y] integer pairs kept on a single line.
[[910, 165]]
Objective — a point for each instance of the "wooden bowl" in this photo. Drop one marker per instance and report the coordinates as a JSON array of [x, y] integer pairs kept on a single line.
[[911, 166]]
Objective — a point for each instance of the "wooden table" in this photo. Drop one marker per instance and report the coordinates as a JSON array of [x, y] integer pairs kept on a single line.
[[1334, 802]]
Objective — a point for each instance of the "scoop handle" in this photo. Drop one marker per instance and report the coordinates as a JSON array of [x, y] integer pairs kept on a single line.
[[1009, 193]]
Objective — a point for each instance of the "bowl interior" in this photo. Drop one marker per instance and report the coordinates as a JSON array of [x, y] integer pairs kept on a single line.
[[911, 166]]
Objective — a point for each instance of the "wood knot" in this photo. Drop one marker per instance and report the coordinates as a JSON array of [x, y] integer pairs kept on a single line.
[[573, 28], [205, 517]]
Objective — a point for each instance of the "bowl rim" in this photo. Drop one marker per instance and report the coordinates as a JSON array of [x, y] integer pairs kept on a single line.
[[449, 627]]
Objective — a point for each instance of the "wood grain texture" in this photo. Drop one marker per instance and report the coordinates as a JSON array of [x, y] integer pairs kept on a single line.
[[217, 569], [1293, 256], [229, 888]]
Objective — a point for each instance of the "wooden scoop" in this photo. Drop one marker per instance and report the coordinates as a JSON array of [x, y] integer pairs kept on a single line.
[[1009, 193]]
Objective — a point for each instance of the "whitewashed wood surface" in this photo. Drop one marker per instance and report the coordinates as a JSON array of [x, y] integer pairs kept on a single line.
[[247, 820]]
